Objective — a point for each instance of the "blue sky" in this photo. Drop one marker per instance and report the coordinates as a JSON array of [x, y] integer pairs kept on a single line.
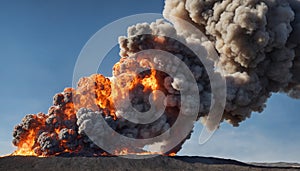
[[41, 40]]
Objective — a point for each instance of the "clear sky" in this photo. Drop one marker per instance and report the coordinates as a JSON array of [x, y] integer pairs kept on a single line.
[[41, 40]]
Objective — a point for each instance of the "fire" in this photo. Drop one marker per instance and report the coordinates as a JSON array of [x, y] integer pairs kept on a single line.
[[93, 92], [172, 154], [25, 147], [122, 152], [150, 82]]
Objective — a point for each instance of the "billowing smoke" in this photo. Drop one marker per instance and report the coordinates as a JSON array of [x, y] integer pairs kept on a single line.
[[257, 43], [257, 47]]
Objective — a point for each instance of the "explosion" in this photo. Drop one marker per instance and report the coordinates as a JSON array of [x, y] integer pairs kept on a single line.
[[74, 111], [258, 51]]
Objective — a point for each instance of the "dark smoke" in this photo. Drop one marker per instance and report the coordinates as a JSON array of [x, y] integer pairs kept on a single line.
[[258, 47], [47, 141]]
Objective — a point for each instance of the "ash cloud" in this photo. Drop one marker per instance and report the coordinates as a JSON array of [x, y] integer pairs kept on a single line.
[[257, 48], [257, 44]]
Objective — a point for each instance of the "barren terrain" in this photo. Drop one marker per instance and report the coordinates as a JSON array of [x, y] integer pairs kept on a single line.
[[118, 163]]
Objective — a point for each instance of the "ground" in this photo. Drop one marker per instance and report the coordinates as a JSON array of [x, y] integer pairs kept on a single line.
[[151, 164]]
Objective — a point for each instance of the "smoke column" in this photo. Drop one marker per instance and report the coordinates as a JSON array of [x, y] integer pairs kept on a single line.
[[258, 45], [258, 51]]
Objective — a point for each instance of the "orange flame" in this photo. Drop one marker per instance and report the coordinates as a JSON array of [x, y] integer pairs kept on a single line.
[[172, 154], [25, 146], [94, 92]]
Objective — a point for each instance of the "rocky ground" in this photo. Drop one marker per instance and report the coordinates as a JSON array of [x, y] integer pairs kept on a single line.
[[151, 164]]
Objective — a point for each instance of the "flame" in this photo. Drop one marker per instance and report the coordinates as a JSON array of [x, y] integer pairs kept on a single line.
[[122, 152], [93, 92], [172, 154], [25, 146], [150, 82]]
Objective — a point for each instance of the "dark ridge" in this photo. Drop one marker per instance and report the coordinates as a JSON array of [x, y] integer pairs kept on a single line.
[[179, 163], [209, 160], [213, 160]]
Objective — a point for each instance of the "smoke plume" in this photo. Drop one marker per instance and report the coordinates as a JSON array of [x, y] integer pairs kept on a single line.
[[257, 45], [257, 50]]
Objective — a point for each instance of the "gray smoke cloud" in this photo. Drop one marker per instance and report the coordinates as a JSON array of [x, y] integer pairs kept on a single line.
[[256, 41]]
